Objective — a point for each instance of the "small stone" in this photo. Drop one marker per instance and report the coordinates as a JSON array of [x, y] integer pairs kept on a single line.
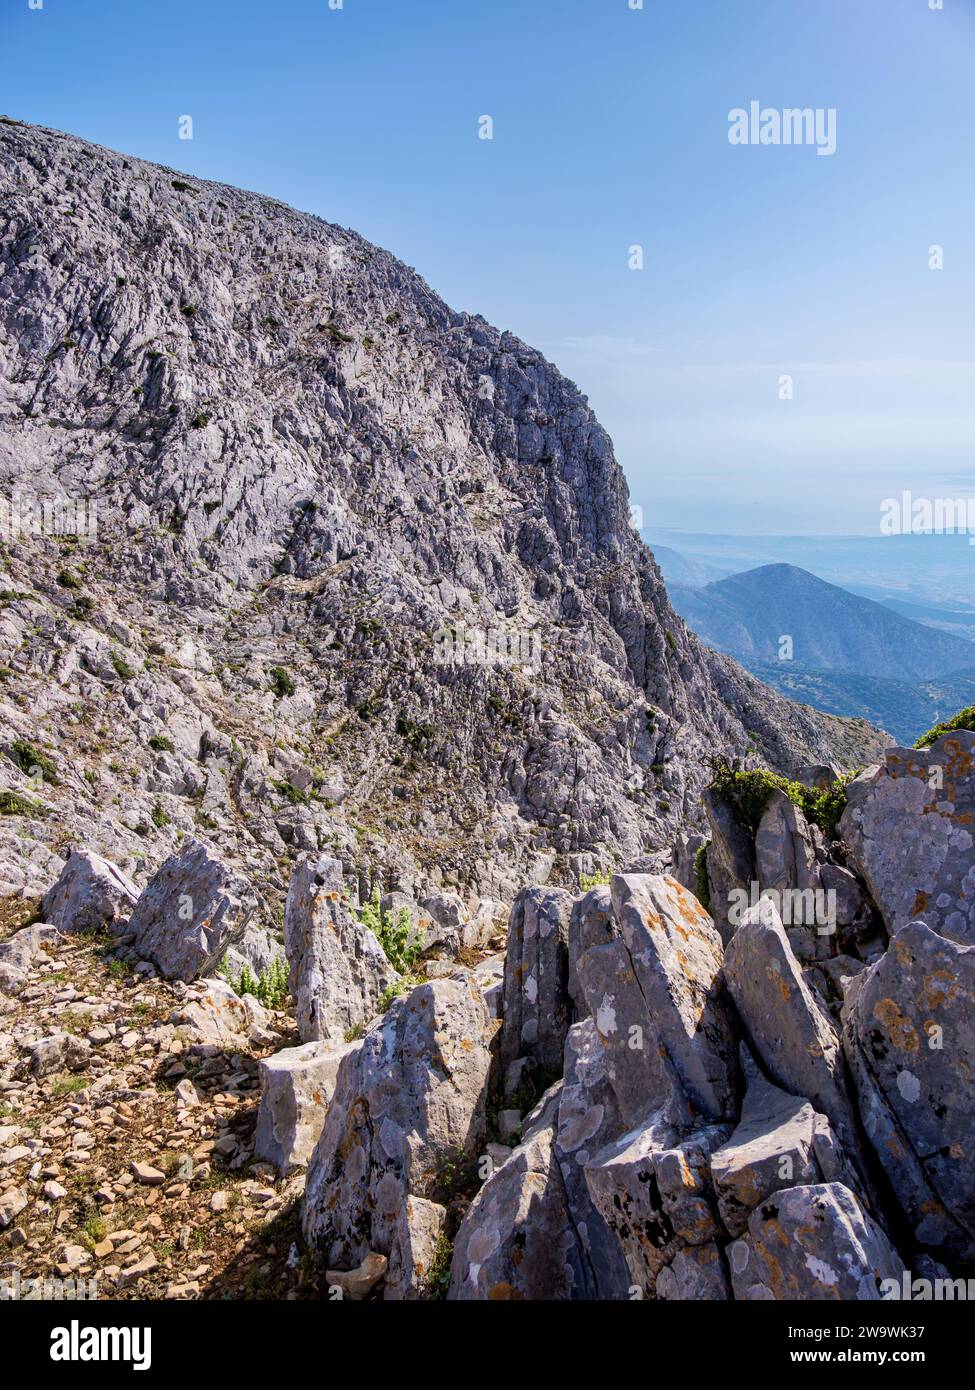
[[53, 1191], [509, 1123], [12, 1203], [135, 1272], [220, 1201], [356, 1283], [187, 1096], [146, 1174]]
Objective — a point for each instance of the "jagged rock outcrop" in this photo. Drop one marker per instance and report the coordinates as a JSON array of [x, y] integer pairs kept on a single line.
[[813, 1242], [190, 912], [780, 1141], [409, 1104], [908, 826], [792, 1033], [339, 971], [91, 894], [536, 974], [909, 1036], [518, 1240]]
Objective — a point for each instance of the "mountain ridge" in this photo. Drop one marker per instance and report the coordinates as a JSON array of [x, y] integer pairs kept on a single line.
[[286, 526]]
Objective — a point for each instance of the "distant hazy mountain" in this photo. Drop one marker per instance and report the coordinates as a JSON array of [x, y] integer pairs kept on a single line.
[[936, 570], [831, 630], [682, 569], [960, 621]]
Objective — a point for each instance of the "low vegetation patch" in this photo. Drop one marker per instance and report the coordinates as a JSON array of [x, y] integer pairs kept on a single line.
[[596, 880], [33, 762], [282, 681], [964, 719], [394, 932], [749, 792], [13, 804], [269, 988]]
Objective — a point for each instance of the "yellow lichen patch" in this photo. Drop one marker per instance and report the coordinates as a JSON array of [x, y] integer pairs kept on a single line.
[[778, 981], [900, 1030], [938, 987], [920, 902]]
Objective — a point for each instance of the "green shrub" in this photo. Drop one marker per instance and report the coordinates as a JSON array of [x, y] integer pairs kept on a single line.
[[182, 187], [393, 933], [596, 880], [13, 804], [158, 816], [69, 580], [282, 682], [123, 670], [159, 743], [292, 794], [82, 607], [392, 992], [30, 761], [964, 719], [671, 640], [270, 988]]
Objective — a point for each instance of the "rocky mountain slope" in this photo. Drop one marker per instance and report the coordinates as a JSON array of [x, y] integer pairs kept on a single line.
[[321, 496], [318, 758]]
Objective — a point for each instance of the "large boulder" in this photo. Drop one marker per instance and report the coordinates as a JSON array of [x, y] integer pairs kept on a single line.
[[339, 971], [784, 853], [908, 827], [638, 1066], [909, 1036], [536, 998], [780, 1142], [791, 1032], [212, 1015], [652, 1188], [90, 894], [676, 957], [588, 1119], [190, 912], [591, 923], [408, 1109], [813, 1243], [297, 1086], [730, 860], [518, 1240]]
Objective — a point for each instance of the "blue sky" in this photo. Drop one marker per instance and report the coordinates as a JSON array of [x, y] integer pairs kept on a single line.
[[610, 130]]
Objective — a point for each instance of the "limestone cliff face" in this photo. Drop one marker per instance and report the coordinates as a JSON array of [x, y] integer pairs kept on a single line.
[[307, 471]]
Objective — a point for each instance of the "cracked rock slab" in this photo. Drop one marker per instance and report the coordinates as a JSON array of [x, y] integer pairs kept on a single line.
[[909, 1036], [813, 1243]]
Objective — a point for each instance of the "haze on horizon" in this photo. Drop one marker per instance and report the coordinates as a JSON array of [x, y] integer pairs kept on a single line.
[[759, 261]]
